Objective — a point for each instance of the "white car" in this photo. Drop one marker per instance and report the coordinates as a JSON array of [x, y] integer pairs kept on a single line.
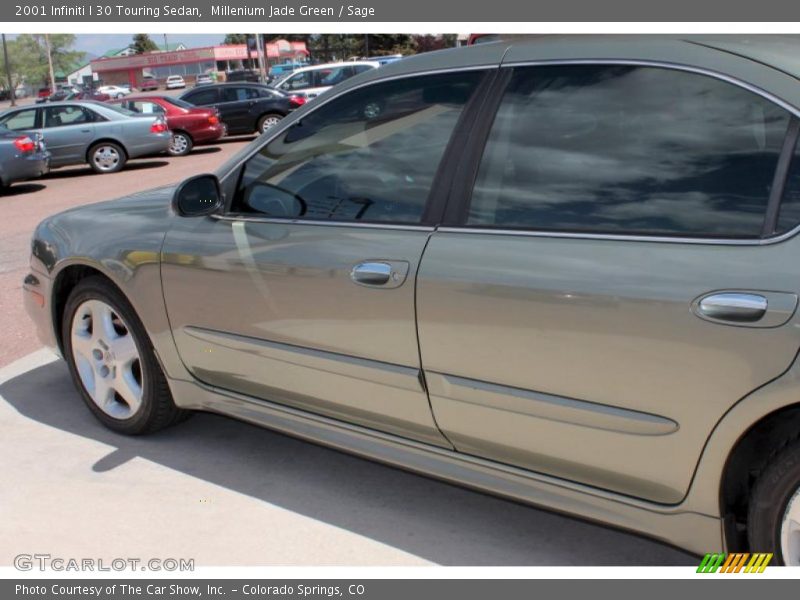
[[314, 80], [115, 91], [175, 82]]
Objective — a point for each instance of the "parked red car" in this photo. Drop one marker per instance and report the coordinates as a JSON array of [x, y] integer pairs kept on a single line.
[[189, 124]]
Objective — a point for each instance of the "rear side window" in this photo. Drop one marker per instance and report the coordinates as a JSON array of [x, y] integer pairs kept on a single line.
[[61, 116], [20, 120], [628, 150], [235, 94], [370, 155]]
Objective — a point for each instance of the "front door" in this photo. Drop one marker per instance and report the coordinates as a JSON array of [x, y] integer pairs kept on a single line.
[[303, 292], [613, 286]]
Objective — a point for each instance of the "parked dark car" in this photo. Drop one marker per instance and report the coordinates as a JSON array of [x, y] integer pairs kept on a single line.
[[22, 156], [243, 75], [189, 124], [244, 107]]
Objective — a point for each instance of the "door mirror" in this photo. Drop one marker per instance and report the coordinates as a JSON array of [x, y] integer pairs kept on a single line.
[[198, 196]]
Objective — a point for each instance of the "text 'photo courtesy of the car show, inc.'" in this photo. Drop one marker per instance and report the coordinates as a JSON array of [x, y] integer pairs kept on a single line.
[[456, 299]]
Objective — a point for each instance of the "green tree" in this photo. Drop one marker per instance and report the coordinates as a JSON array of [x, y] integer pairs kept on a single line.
[[27, 56], [235, 38], [142, 44]]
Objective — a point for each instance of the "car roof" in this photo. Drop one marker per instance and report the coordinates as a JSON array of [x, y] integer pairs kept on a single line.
[[767, 62], [372, 63]]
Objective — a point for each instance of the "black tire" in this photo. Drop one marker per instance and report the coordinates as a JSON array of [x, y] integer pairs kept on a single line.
[[157, 409], [184, 148], [263, 119], [775, 486], [122, 157]]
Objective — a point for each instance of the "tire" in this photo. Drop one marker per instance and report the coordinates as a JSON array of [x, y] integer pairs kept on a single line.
[[774, 505], [181, 144], [112, 362], [120, 96], [265, 122], [107, 157]]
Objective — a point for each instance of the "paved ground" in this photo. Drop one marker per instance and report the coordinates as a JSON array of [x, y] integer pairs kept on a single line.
[[220, 491]]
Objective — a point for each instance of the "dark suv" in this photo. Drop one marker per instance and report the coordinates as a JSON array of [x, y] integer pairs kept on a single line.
[[244, 107]]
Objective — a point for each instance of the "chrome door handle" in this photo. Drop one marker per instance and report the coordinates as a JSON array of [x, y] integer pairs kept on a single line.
[[380, 273], [734, 307]]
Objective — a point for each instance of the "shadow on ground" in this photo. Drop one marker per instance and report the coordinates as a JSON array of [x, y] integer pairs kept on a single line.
[[18, 189], [133, 165], [433, 520]]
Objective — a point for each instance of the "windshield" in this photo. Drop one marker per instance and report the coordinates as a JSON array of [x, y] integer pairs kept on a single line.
[[281, 79], [178, 102]]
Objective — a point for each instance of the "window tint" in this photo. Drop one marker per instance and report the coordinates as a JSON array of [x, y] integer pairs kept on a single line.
[[370, 155], [235, 94], [24, 119], [623, 149], [60, 116], [789, 214], [335, 75], [202, 97]]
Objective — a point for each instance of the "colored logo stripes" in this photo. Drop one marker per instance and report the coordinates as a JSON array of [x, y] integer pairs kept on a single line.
[[734, 562]]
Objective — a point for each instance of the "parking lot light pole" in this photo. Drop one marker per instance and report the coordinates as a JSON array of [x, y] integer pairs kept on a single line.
[[11, 91]]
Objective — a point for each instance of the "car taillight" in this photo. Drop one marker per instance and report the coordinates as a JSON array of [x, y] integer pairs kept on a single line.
[[213, 120], [25, 144], [297, 100], [158, 127]]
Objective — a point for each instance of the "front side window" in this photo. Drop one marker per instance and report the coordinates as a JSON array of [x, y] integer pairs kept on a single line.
[[299, 81], [630, 150], [20, 120], [370, 155]]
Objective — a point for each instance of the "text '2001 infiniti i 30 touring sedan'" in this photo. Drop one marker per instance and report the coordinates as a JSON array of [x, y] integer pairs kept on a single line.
[[564, 271]]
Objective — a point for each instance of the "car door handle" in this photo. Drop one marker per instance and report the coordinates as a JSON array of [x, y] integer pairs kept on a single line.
[[380, 273], [736, 307]]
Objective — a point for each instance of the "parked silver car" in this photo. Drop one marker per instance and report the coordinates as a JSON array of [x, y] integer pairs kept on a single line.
[[102, 135], [22, 157], [564, 271]]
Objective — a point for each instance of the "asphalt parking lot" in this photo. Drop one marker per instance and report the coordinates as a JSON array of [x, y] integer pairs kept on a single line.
[[220, 491]]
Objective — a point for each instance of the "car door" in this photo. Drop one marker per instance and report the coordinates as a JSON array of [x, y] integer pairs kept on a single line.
[[203, 97], [68, 130], [236, 106], [616, 278], [302, 292]]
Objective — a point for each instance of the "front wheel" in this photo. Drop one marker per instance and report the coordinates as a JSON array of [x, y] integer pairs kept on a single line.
[[268, 121], [107, 157], [112, 362], [773, 522], [180, 144]]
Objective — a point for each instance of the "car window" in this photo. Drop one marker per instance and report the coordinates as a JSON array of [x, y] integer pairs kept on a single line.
[[236, 94], [299, 81], [362, 68], [20, 120], [370, 155], [145, 108], [335, 75], [201, 97], [60, 116], [628, 149]]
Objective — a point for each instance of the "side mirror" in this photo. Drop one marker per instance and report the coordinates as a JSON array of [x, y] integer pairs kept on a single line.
[[198, 196]]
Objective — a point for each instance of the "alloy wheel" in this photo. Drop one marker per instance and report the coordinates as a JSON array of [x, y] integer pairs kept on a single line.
[[107, 359], [106, 158]]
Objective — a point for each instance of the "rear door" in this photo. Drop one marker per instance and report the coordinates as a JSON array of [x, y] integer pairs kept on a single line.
[[236, 107], [68, 130], [614, 275], [303, 291]]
